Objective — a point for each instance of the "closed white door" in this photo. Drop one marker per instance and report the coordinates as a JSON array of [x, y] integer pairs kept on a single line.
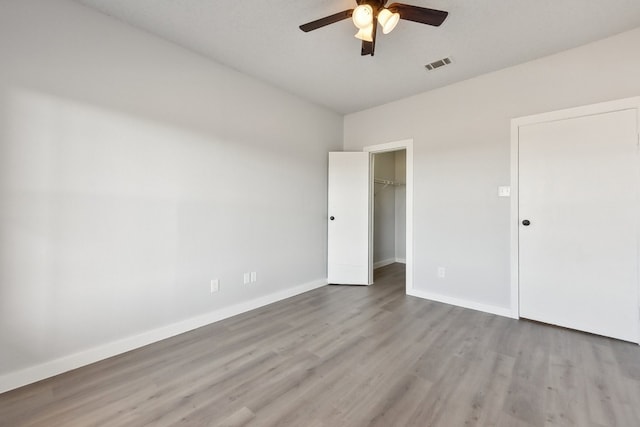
[[348, 225], [579, 187]]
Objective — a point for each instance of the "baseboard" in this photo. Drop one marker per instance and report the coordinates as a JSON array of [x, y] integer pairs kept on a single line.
[[383, 263], [58, 366], [388, 261], [492, 309]]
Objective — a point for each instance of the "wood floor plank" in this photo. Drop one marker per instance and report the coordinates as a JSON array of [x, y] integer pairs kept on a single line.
[[525, 398], [565, 398], [239, 418], [350, 356]]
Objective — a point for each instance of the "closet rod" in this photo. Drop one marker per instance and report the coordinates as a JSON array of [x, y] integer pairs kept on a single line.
[[386, 182]]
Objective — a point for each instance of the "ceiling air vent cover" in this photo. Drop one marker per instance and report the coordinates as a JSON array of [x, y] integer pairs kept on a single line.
[[437, 64]]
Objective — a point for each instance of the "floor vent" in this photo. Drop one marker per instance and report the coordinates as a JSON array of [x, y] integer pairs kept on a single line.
[[437, 64]]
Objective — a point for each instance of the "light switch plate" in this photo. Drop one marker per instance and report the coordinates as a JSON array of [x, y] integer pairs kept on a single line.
[[504, 191]]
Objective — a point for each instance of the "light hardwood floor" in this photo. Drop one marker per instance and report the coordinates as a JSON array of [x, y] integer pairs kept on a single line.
[[350, 356]]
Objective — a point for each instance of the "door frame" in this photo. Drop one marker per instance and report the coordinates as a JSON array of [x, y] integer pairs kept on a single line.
[[569, 113], [405, 144]]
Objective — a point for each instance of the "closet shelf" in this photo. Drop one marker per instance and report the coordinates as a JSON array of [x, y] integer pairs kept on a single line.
[[386, 182]]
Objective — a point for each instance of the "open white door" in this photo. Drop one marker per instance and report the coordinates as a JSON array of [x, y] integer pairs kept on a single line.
[[348, 226]]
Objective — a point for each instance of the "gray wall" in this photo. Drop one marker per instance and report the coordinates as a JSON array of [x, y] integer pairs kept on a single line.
[[384, 209], [132, 172], [400, 158], [461, 139]]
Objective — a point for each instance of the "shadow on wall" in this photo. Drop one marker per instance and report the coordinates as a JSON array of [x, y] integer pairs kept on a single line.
[[112, 225]]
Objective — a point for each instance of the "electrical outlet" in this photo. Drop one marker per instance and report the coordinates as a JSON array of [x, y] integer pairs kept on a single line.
[[247, 278], [215, 285], [254, 277], [441, 272]]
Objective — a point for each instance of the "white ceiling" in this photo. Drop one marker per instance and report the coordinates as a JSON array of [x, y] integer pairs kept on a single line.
[[262, 39]]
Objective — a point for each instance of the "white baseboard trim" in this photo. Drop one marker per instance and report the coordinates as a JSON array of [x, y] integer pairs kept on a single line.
[[49, 369], [401, 260], [383, 263], [492, 309]]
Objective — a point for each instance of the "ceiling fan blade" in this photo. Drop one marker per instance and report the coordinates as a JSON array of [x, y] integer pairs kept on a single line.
[[319, 23], [422, 15]]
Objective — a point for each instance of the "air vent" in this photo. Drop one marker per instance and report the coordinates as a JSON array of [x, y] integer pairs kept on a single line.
[[437, 64]]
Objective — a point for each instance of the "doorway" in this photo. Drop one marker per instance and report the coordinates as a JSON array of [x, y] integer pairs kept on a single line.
[[389, 209], [391, 212]]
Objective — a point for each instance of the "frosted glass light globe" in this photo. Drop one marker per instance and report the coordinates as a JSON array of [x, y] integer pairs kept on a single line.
[[388, 20], [362, 16]]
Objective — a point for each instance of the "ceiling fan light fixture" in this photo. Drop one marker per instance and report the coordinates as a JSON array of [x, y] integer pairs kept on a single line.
[[363, 16], [365, 34], [388, 20], [367, 14]]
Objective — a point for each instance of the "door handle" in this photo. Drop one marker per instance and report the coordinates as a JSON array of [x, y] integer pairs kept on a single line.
[[332, 218], [526, 222]]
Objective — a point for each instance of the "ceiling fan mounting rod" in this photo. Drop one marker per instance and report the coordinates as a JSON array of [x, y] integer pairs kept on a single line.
[[376, 5]]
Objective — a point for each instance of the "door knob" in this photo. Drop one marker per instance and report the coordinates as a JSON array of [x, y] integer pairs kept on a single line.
[[526, 222], [332, 218]]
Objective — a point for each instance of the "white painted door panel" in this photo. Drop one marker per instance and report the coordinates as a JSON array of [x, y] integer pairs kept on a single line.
[[348, 231], [578, 258]]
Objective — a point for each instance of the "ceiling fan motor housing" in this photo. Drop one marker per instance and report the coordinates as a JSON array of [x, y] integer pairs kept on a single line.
[[376, 5]]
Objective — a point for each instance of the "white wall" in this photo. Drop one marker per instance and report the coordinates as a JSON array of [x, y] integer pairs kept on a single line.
[[131, 173], [461, 141]]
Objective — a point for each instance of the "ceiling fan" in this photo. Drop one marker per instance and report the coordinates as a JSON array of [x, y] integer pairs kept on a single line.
[[368, 11]]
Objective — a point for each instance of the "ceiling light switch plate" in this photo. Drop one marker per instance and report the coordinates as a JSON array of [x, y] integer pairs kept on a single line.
[[504, 191]]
